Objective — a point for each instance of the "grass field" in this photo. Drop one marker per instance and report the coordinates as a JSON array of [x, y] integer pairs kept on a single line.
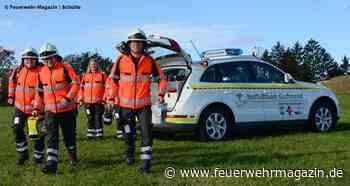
[[251, 148]]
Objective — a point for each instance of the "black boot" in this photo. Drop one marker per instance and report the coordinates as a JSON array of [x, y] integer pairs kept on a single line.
[[145, 166], [130, 155], [38, 161], [50, 168], [129, 149], [22, 158]]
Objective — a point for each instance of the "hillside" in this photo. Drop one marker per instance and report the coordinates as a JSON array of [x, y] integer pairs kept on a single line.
[[340, 84]]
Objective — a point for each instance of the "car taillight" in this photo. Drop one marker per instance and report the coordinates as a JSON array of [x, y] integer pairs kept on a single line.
[[205, 63]]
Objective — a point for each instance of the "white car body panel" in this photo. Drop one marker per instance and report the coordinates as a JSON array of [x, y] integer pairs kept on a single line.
[[247, 105]]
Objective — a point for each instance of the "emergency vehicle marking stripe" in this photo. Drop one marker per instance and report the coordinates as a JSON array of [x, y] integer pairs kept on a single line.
[[180, 120]]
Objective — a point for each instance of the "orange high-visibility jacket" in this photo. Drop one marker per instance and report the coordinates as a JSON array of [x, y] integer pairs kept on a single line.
[[92, 87], [129, 85], [60, 86], [22, 85]]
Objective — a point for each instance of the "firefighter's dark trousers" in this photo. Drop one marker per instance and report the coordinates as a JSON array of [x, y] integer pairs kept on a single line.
[[19, 124], [67, 122], [94, 113], [144, 116]]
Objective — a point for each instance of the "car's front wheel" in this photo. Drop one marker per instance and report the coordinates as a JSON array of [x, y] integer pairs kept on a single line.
[[215, 124], [323, 117]]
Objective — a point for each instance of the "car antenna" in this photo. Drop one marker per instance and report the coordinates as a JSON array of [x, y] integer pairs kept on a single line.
[[195, 48]]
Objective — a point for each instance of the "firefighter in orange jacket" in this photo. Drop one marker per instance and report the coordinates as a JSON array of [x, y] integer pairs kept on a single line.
[[60, 85], [92, 95], [130, 80], [22, 84]]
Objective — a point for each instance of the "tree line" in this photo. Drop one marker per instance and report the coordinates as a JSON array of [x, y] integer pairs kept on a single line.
[[310, 63]]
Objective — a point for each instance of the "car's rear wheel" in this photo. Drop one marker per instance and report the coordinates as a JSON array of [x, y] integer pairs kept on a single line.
[[215, 124], [323, 117]]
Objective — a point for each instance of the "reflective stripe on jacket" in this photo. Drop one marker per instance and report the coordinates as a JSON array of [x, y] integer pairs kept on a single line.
[[129, 84], [59, 91], [92, 87], [22, 85]]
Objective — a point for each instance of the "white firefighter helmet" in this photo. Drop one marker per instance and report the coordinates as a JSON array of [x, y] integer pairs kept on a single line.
[[30, 53], [137, 35], [48, 50]]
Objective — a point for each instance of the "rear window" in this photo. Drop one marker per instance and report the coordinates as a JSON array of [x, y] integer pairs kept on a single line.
[[159, 52], [176, 74]]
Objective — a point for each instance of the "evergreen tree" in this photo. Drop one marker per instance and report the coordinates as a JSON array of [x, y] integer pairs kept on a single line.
[[277, 53], [7, 62], [345, 64], [298, 52], [289, 63], [266, 56], [305, 73], [318, 59]]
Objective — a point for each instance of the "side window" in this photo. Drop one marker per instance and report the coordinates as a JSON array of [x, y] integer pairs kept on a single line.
[[212, 74], [235, 72], [231, 72], [264, 73]]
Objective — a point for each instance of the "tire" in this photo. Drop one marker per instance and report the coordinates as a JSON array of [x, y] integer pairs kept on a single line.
[[215, 124], [323, 117]]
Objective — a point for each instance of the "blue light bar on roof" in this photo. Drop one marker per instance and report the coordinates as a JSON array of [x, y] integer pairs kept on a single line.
[[227, 52]]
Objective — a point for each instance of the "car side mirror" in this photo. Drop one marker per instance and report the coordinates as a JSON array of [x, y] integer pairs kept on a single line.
[[288, 78]]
